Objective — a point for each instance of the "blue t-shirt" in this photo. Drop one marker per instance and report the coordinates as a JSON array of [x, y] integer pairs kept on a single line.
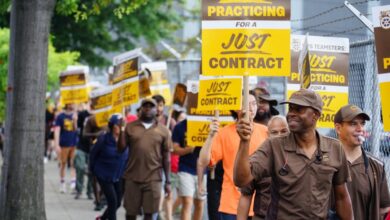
[[68, 134], [187, 163]]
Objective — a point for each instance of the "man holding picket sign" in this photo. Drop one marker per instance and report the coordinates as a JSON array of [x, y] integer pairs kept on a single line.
[[303, 166], [221, 145]]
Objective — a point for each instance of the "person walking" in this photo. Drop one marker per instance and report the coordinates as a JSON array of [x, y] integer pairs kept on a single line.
[[368, 189], [303, 166], [222, 145], [150, 146], [65, 139], [277, 126], [108, 165]]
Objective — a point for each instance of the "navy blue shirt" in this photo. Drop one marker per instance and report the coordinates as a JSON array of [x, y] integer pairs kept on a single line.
[[68, 134], [105, 162], [187, 163]]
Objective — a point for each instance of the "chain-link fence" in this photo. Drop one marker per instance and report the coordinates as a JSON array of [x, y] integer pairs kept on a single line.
[[364, 92]]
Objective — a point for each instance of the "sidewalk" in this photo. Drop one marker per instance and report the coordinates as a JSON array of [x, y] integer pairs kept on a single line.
[[64, 206]]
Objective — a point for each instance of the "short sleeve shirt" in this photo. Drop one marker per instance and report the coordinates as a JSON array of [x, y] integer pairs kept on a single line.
[[304, 192], [68, 133], [148, 148], [224, 148], [368, 189], [187, 163]]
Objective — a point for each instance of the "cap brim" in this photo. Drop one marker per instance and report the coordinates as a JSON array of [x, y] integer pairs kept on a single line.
[[269, 99], [352, 116], [274, 111], [143, 103], [296, 102]]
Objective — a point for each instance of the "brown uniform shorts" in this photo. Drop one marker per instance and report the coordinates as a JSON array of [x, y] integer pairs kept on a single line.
[[142, 195], [67, 153]]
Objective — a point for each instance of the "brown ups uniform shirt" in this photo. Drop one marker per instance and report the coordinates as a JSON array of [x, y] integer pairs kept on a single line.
[[304, 192], [262, 190], [148, 148], [369, 192]]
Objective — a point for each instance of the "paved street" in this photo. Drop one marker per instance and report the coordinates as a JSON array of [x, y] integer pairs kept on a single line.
[[64, 206]]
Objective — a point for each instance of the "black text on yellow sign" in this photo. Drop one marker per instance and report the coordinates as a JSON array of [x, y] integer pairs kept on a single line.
[[333, 101], [246, 51], [221, 94], [197, 131], [74, 96], [101, 101], [386, 63]]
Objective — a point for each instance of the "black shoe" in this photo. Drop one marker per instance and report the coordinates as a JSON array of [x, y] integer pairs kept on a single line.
[[99, 207], [89, 196]]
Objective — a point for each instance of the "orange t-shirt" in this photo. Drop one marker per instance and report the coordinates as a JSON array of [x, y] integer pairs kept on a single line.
[[224, 147]]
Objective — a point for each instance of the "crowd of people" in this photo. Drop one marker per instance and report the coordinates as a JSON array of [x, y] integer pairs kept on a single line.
[[262, 166]]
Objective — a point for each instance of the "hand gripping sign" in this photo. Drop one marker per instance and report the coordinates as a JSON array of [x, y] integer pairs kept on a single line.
[[198, 121], [381, 20], [246, 37]]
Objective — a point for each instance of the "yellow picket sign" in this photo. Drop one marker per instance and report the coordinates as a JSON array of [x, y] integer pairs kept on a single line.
[[126, 70], [333, 101], [220, 93], [243, 51], [163, 90], [101, 103], [125, 93], [74, 95], [73, 79], [384, 92], [198, 129]]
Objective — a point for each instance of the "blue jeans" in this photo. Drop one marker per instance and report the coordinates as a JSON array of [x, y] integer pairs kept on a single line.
[[225, 216]]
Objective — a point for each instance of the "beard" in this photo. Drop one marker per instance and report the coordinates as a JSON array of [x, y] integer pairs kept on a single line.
[[263, 116]]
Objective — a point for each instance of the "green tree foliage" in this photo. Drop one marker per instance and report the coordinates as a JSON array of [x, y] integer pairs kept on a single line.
[[98, 27], [58, 61], [95, 28]]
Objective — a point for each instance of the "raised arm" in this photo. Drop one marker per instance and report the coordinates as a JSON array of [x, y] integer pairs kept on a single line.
[[242, 173], [121, 146], [205, 154]]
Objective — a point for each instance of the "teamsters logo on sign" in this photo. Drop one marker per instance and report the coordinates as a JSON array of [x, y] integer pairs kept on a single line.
[[246, 37]]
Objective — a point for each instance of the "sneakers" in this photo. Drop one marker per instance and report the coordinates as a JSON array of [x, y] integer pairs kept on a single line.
[[62, 187], [73, 184], [98, 207]]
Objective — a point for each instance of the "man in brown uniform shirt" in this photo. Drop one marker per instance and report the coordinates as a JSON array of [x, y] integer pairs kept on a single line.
[[149, 145], [368, 190], [303, 165]]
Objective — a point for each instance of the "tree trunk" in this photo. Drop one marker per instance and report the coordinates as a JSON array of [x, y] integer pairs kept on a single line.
[[22, 193]]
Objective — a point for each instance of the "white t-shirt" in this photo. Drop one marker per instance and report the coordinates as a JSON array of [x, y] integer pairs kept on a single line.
[[147, 125]]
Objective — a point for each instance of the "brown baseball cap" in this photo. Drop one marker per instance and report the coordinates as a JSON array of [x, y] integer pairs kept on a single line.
[[348, 113], [307, 98], [148, 100]]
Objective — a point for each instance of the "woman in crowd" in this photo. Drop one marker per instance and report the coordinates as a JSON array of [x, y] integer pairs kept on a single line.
[[108, 165]]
